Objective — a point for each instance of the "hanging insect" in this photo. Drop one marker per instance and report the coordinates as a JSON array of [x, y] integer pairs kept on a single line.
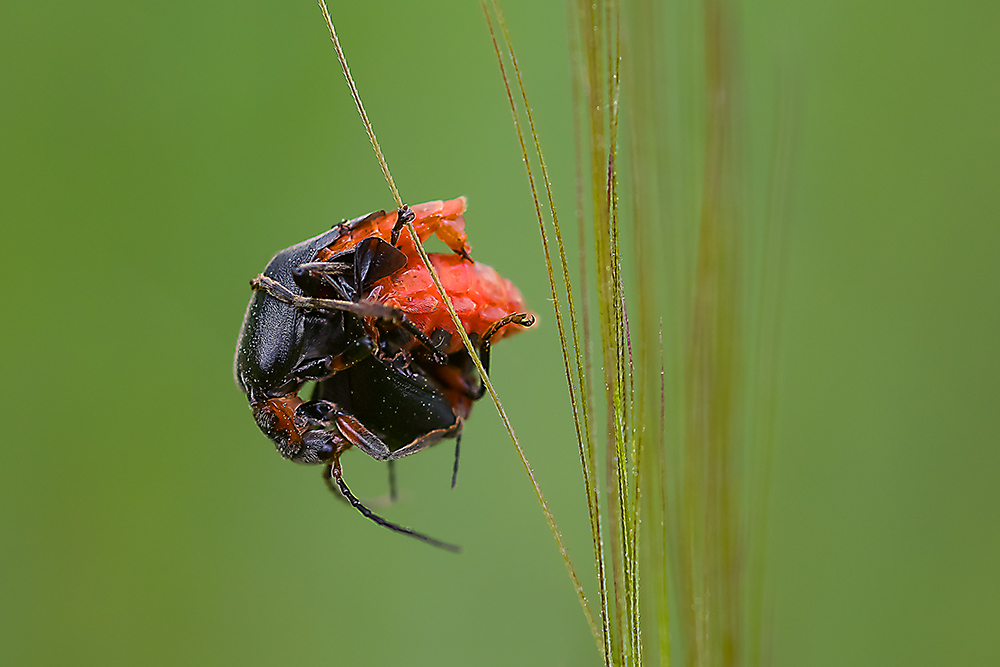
[[354, 310]]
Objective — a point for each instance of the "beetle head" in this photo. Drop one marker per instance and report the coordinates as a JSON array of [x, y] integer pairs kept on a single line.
[[297, 434]]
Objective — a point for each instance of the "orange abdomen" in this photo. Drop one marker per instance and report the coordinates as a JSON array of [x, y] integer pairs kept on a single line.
[[481, 296]]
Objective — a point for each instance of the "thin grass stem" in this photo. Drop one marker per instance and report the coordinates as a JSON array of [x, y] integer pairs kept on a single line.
[[361, 107], [455, 319], [580, 407], [583, 429]]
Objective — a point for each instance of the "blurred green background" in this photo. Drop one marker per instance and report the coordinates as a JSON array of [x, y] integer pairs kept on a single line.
[[154, 155]]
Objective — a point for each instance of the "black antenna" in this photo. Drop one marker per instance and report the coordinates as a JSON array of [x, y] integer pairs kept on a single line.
[[333, 472], [454, 472]]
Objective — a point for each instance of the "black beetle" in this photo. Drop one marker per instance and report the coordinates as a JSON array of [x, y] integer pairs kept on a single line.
[[405, 403], [395, 410], [302, 324], [308, 320]]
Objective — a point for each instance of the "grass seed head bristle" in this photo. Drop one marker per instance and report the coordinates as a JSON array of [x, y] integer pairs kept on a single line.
[[670, 246]]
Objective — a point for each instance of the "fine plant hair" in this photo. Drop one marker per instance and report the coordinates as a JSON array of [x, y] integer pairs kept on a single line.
[[669, 232]]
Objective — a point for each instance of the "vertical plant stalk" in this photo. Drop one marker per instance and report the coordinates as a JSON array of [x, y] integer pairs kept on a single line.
[[586, 23], [581, 417], [592, 31], [598, 52], [625, 443], [455, 319], [643, 55], [703, 514]]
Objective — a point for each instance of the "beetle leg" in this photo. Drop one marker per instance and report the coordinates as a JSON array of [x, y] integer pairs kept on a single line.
[[397, 318], [359, 308], [320, 368], [522, 319], [358, 351], [379, 311], [312, 369], [411, 328], [403, 216], [428, 439], [334, 477], [331, 274], [358, 435], [373, 260], [454, 471], [445, 220], [321, 269]]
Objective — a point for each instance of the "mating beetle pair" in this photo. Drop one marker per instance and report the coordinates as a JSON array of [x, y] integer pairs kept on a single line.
[[355, 311]]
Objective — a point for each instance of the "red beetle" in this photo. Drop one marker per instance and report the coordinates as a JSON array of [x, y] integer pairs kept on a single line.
[[482, 298], [480, 295], [355, 310]]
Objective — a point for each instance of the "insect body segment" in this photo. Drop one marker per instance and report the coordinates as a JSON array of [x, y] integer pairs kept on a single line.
[[445, 219], [354, 310], [479, 294]]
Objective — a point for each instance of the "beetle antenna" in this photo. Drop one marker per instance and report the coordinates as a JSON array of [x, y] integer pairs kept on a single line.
[[454, 471], [523, 319], [332, 472], [439, 357]]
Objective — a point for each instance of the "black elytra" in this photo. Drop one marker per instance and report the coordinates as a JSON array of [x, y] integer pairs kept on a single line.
[[305, 322]]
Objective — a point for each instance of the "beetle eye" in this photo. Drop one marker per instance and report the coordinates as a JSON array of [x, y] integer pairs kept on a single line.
[[321, 411], [325, 452]]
